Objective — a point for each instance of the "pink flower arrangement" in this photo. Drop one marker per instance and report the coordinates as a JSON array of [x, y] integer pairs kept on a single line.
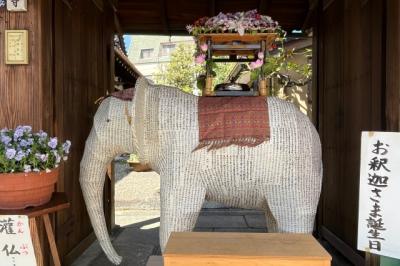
[[200, 59], [239, 22], [204, 47], [256, 64]]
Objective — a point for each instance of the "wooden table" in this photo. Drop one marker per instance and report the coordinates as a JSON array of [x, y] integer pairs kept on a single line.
[[240, 249], [58, 202]]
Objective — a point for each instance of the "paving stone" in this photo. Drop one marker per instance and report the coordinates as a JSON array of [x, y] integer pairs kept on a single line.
[[203, 229], [230, 212], [221, 221], [139, 233], [248, 230], [133, 254], [255, 221], [212, 205]]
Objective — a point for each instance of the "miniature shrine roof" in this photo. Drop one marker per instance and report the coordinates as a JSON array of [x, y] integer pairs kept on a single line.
[[171, 16]]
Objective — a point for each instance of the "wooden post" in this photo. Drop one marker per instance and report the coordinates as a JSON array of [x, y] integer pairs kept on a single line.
[[371, 259], [208, 89], [36, 241], [52, 241], [262, 87], [392, 65]]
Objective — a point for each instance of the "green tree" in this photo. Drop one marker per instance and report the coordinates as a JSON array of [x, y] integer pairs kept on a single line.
[[182, 72]]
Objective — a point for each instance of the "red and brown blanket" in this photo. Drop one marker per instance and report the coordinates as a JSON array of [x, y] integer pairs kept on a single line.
[[224, 121], [125, 95]]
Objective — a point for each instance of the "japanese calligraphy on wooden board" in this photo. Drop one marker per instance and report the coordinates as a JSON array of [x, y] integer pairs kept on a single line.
[[378, 215], [15, 241], [16, 43]]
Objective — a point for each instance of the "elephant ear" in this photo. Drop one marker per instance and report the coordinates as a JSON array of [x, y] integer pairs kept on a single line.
[[145, 115]]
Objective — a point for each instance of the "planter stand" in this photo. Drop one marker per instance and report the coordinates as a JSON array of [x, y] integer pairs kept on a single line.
[[58, 202]]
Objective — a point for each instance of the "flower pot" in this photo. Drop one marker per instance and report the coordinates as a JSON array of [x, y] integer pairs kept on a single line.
[[21, 190]]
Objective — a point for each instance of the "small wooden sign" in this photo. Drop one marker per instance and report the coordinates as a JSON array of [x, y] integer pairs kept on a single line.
[[16, 47], [15, 241], [17, 5]]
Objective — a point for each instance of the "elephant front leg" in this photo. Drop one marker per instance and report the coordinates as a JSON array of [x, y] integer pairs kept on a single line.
[[180, 208]]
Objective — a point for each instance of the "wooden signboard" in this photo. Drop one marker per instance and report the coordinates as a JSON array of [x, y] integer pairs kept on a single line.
[[378, 216], [17, 5], [240, 249], [16, 44], [16, 247]]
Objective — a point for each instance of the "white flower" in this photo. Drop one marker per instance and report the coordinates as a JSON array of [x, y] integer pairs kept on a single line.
[[240, 30], [48, 170]]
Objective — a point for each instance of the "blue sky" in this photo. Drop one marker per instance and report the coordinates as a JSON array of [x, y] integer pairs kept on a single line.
[[127, 41]]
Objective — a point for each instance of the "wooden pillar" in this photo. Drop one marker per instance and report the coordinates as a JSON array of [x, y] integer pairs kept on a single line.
[[24, 89], [392, 65]]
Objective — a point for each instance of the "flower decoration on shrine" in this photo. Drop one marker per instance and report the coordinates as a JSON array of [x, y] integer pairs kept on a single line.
[[22, 150], [240, 22], [2, 3]]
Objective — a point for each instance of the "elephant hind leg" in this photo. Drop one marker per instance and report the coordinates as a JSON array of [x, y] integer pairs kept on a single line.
[[272, 226], [180, 209], [290, 214]]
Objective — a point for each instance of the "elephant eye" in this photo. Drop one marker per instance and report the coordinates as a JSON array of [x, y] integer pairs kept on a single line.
[[108, 120]]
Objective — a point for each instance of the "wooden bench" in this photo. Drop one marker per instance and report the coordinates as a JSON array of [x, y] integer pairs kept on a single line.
[[240, 249]]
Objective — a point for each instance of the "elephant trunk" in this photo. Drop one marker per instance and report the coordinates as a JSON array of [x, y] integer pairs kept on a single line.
[[111, 135], [92, 177]]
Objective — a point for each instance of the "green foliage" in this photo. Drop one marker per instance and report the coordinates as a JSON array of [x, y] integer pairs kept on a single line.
[[280, 63], [182, 72], [288, 73], [221, 71]]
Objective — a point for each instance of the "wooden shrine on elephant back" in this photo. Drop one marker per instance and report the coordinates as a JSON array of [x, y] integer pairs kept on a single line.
[[233, 47]]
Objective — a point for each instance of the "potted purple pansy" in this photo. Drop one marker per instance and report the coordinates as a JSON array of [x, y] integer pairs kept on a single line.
[[29, 165]]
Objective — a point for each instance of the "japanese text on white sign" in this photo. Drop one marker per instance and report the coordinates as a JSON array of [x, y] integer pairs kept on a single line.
[[378, 218], [15, 241]]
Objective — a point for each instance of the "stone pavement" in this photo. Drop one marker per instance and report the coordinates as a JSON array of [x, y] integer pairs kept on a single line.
[[137, 238]]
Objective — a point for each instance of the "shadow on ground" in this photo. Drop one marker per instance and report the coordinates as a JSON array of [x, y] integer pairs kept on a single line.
[[136, 242]]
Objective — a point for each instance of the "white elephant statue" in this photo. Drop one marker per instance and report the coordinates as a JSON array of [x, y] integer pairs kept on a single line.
[[281, 176]]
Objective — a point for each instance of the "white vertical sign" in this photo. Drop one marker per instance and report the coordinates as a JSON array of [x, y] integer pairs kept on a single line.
[[16, 247], [379, 202]]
